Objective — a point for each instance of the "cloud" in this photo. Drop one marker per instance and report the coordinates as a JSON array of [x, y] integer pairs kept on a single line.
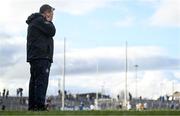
[[4, 35], [156, 83], [17, 11], [126, 22], [85, 61], [81, 7], [153, 3], [151, 84], [167, 14], [11, 50]]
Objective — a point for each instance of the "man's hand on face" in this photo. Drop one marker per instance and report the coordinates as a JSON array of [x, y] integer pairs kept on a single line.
[[49, 16]]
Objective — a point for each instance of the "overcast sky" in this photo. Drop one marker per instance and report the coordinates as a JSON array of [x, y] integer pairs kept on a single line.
[[96, 32]]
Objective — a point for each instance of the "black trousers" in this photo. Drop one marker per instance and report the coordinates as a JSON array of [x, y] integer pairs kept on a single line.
[[38, 83]]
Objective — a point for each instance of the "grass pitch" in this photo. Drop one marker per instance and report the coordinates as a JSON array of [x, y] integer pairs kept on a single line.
[[93, 113]]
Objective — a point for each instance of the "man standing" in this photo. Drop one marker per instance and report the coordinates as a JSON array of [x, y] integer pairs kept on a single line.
[[4, 91], [40, 55], [7, 94]]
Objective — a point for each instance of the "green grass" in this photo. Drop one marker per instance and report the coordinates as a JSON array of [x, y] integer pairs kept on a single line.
[[91, 113]]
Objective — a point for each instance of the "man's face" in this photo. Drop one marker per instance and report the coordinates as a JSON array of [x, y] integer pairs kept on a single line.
[[49, 15]]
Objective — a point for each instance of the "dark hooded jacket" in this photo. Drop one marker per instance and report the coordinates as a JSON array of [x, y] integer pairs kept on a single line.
[[40, 34]]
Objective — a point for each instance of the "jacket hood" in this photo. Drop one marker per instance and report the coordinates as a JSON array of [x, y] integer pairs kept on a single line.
[[32, 17]]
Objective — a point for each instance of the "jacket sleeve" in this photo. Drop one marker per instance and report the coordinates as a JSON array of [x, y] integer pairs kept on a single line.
[[44, 26]]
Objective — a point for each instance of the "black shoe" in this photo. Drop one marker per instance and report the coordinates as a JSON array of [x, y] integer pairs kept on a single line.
[[42, 109], [32, 109]]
